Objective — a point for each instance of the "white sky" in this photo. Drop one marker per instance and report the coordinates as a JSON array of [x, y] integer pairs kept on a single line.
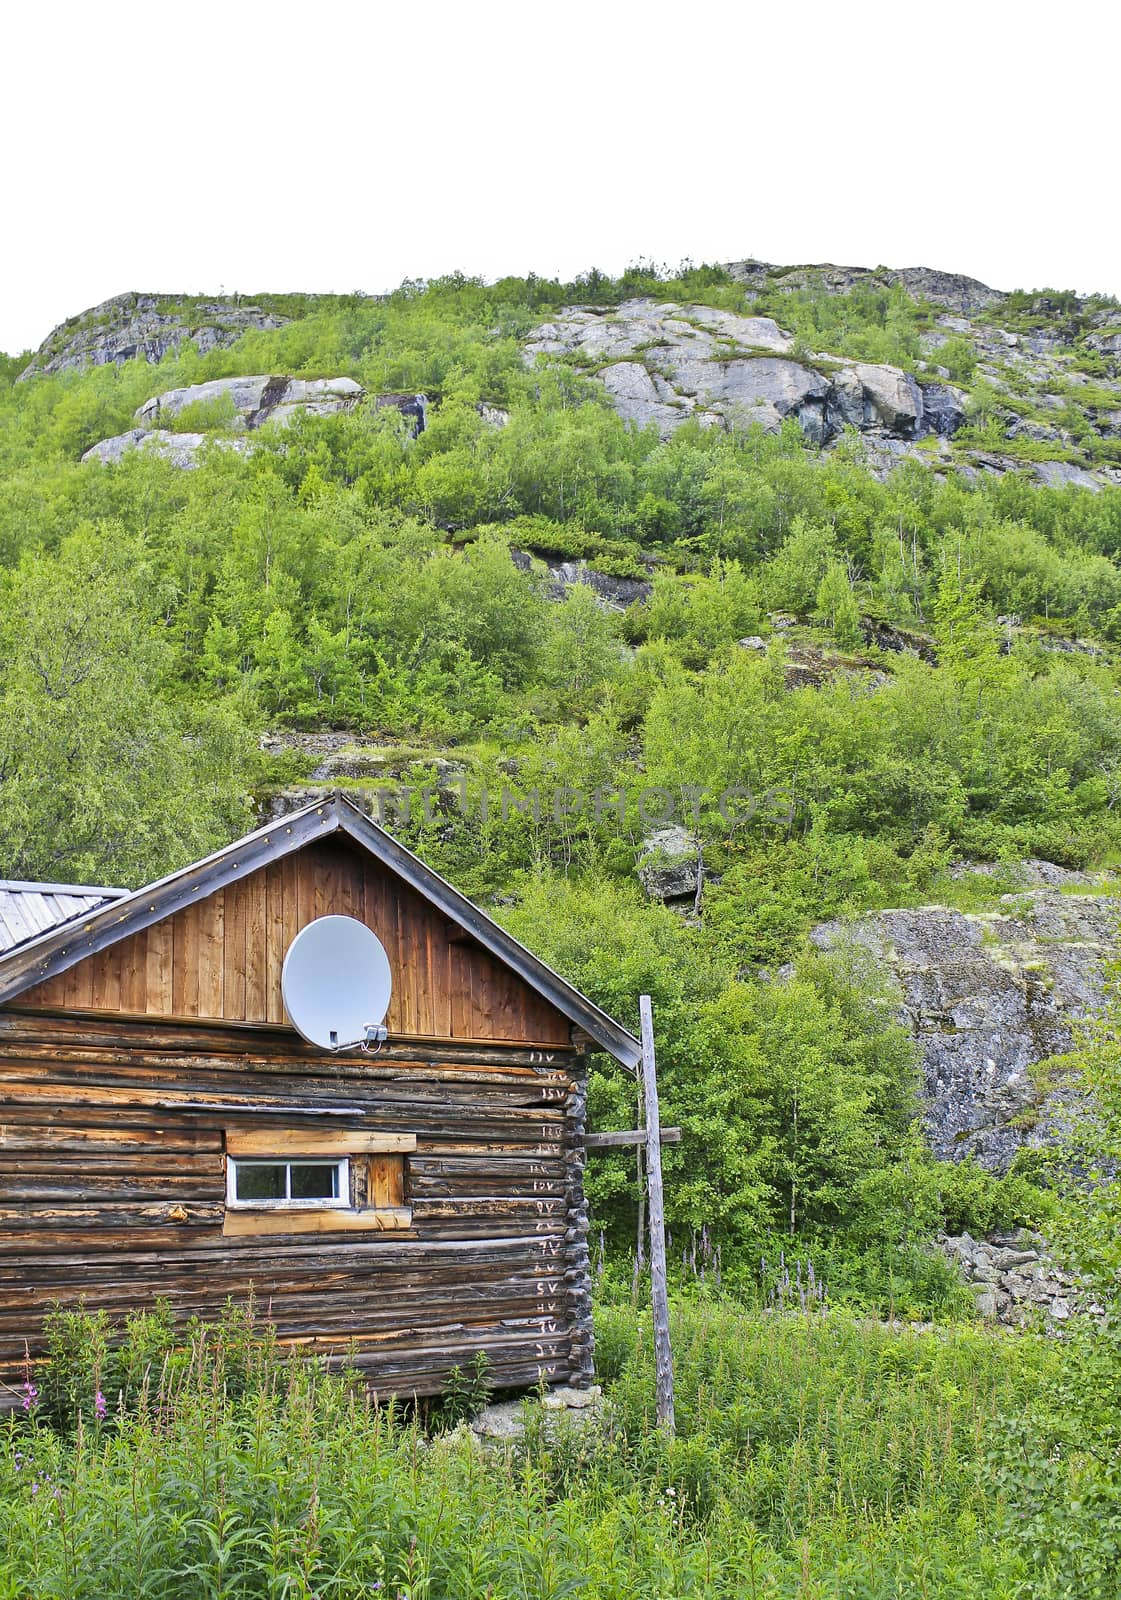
[[340, 146]]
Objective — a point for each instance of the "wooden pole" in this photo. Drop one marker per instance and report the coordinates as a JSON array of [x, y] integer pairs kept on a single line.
[[663, 1358]]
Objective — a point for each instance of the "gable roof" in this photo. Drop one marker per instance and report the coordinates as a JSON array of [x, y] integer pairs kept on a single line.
[[29, 909], [61, 945]]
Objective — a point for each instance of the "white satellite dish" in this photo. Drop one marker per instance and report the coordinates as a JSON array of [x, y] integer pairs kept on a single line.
[[336, 982]]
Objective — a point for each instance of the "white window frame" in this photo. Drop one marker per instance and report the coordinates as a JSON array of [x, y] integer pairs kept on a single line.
[[317, 1203]]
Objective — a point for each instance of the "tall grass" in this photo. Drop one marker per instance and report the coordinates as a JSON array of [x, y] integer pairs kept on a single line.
[[816, 1456]]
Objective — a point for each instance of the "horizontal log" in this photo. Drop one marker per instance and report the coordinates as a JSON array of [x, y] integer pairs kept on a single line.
[[166, 1138], [395, 1296], [53, 1087], [162, 1190], [125, 1214], [492, 1205], [197, 1255], [520, 1141], [442, 1165], [52, 1026], [130, 1161]]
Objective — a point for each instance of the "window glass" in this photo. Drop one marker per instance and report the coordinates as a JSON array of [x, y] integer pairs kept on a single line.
[[315, 1180], [288, 1182], [261, 1181]]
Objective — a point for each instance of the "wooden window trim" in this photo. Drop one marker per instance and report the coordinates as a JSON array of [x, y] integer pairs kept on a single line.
[[247, 1218], [381, 1220], [286, 1144]]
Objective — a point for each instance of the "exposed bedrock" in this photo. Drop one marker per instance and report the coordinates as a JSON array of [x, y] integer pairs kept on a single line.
[[988, 996], [665, 364]]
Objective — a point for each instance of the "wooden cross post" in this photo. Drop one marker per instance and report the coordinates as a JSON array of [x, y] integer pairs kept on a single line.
[[663, 1358]]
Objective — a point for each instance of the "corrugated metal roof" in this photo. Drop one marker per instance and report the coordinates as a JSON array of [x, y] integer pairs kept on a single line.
[[29, 909]]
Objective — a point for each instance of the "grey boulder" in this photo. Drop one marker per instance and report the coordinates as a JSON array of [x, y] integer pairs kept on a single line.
[[670, 868], [253, 401], [181, 449]]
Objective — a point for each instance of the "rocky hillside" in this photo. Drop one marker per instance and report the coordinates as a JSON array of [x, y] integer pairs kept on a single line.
[[1032, 381], [668, 364], [993, 382], [146, 327]]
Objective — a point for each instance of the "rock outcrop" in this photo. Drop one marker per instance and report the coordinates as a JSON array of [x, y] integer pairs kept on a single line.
[[613, 594], [989, 995], [238, 406], [242, 404], [181, 449], [146, 327], [666, 364], [950, 289]]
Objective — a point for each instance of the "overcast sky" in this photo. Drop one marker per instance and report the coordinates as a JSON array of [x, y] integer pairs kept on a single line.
[[339, 147]]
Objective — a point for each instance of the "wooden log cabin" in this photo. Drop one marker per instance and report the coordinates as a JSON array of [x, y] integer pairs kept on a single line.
[[146, 1059]]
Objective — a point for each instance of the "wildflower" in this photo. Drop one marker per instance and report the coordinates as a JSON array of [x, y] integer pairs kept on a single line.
[[99, 1406], [30, 1395]]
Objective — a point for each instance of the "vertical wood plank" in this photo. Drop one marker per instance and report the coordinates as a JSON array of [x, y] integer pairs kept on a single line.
[[377, 915], [479, 1023], [106, 973], [387, 1180], [425, 979], [134, 973], [406, 957], [160, 949], [64, 988], [349, 886], [508, 1018], [275, 940], [306, 881], [459, 990], [82, 991], [438, 1021], [185, 963], [210, 915], [234, 951], [256, 948]]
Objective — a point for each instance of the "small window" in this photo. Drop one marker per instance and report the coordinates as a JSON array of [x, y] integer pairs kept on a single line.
[[288, 1183]]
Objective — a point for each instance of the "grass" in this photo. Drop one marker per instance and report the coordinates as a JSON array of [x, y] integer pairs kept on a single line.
[[817, 1455]]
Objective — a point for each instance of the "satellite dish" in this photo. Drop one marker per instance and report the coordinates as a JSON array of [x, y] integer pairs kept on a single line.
[[336, 983]]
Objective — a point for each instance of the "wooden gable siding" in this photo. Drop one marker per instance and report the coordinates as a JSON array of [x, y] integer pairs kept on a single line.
[[113, 1147], [221, 958]]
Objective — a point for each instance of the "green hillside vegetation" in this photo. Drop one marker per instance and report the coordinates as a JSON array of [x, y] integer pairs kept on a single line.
[[155, 622]]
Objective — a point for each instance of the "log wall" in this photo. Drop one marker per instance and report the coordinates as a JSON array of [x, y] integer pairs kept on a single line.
[[112, 1188]]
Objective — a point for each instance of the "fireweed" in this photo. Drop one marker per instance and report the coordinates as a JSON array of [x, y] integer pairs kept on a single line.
[[816, 1455]]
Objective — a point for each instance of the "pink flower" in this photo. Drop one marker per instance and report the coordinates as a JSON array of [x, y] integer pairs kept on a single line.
[[30, 1395], [99, 1406]]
